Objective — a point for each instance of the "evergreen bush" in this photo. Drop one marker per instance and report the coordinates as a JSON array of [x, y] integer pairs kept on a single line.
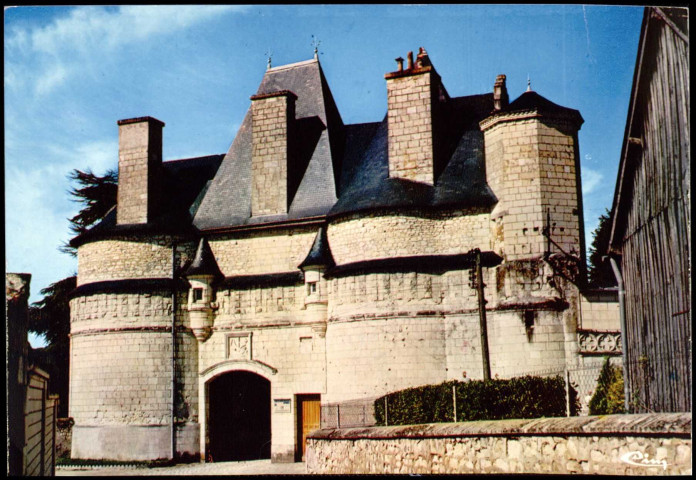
[[496, 399], [609, 394]]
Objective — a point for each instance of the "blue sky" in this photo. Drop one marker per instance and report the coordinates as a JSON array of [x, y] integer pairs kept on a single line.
[[71, 73]]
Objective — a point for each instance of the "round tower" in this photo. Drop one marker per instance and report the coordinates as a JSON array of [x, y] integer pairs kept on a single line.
[[126, 313]]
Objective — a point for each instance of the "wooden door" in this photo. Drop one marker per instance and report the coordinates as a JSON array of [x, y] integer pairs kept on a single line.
[[308, 419]]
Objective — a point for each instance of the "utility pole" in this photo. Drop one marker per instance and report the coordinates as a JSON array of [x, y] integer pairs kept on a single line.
[[482, 316]]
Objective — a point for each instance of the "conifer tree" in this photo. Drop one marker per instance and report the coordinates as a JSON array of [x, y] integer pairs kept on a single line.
[[599, 272], [50, 316]]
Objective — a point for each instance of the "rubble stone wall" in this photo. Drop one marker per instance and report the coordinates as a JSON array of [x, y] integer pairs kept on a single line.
[[648, 444], [373, 236]]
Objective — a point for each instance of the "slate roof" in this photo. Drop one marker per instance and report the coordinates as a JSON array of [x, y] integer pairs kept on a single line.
[[531, 100], [366, 184], [204, 262], [185, 182], [347, 165], [228, 200], [342, 169], [320, 253]]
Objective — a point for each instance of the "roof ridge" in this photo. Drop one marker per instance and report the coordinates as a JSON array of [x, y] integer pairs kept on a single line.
[[291, 65]]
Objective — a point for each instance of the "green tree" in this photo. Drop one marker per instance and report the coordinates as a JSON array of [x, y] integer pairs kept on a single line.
[[97, 194], [50, 316], [600, 274], [609, 394]]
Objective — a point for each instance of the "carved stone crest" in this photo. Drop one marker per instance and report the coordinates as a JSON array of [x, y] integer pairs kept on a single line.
[[239, 346]]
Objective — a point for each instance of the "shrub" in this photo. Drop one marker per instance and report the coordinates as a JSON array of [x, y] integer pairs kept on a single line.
[[609, 394], [522, 397]]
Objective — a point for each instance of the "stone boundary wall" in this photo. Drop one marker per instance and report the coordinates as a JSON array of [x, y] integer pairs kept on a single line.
[[644, 444]]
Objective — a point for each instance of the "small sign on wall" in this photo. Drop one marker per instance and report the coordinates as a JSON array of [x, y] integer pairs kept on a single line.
[[282, 405]]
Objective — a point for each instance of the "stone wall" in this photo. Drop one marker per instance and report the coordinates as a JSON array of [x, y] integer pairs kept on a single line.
[[291, 357], [410, 121], [271, 117], [121, 353], [373, 236], [599, 313], [531, 167], [648, 444], [139, 169], [130, 257], [257, 253]]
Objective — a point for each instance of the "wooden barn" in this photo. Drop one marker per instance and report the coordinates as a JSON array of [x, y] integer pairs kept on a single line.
[[651, 219]]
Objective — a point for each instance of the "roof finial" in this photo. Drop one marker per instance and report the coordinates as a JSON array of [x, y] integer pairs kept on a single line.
[[269, 54], [529, 84], [315, 43]]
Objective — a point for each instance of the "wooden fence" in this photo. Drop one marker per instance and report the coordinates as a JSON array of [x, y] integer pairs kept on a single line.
[[40, 415]]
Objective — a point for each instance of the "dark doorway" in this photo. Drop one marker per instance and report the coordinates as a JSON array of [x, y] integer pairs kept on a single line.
[[239, 418]]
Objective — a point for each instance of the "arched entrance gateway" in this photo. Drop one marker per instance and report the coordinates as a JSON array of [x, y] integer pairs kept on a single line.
[[239, 417]]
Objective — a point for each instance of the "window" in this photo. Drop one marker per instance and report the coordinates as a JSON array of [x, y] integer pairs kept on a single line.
[[311, 288], [197, 294]]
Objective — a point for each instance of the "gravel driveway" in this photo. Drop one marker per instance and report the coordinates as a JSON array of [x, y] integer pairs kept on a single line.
[[255, 467]]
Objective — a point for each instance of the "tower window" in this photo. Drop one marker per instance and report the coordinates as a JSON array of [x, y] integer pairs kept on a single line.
[[311, 288], [197, 294]]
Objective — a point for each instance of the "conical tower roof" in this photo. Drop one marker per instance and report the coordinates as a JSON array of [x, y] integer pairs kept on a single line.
[[531, 100], [320, 253], [204, 263]]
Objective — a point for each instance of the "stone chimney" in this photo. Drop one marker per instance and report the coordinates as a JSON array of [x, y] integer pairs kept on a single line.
[[139, 169], [273, 116], [500, 94], [414, 96]]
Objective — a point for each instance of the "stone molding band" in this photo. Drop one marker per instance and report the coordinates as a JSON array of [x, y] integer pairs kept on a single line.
[[436, 264], [128, 286], [283, 279], [101, 331], [552, 305]]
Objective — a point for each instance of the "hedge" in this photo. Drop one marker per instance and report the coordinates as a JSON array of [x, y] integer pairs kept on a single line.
[[496, 399]]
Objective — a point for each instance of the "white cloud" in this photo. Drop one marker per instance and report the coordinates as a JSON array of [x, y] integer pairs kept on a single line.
[[53, 77], [60, 49], [591, 179], [88, 28], [37, 208]]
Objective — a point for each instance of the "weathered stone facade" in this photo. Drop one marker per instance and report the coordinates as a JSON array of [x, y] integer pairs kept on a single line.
[[272, 115], [333, 301]]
